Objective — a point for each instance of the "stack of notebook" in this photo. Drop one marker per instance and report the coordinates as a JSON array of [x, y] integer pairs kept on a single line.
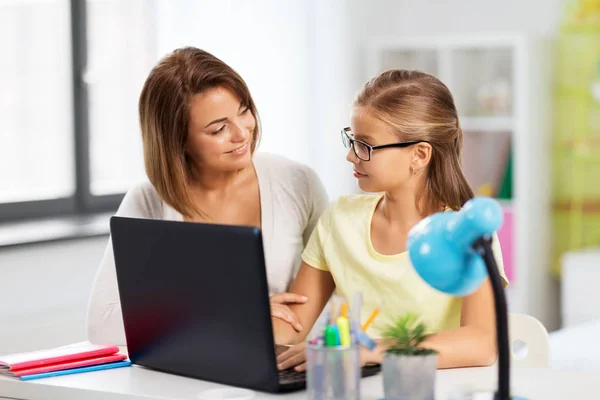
[[82, 357]]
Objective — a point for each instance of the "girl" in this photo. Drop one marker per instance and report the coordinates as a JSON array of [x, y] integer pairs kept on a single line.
[[404, 144]]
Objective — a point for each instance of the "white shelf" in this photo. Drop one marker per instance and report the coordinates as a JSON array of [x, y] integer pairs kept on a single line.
[[487, 124]]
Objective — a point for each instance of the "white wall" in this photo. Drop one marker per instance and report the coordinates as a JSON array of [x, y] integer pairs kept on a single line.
[[266, 42], [427, 17], [334, 73], [44, 290]]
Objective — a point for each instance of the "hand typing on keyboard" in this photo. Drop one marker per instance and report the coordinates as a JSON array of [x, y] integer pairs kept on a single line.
[[295, 357]]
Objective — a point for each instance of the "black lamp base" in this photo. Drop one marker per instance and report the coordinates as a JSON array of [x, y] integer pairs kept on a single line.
[[479, 395]]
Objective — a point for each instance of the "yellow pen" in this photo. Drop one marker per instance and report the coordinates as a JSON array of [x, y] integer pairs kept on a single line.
[[344, 310], [370, 320], [344, 328]]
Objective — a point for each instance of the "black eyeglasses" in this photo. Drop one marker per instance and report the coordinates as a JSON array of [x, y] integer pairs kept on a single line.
[[363, 150]]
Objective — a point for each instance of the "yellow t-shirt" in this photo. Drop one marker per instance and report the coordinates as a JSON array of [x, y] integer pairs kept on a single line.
[[341, 244]]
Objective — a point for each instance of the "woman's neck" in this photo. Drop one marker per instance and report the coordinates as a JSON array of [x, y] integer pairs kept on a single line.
[[217, 197], [218, 182]]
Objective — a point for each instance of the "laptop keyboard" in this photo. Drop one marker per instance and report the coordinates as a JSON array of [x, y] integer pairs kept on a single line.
[[288, 376], [298, 378]]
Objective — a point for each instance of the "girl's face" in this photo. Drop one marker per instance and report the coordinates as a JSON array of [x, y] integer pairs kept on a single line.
[[388, 169]]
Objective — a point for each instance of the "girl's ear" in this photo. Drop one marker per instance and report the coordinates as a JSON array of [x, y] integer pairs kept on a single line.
[[421, 155]]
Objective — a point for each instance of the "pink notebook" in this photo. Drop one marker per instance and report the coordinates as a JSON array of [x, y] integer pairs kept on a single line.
[[59, 358], [86, 362]]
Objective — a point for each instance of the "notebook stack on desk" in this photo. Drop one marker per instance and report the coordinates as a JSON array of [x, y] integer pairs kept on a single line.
[[73, 359]]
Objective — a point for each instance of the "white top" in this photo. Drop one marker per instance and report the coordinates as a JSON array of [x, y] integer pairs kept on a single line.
[[292, 198]]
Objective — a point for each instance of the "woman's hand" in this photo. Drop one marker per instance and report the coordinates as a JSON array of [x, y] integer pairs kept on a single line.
[[279, 308], [295, 356]]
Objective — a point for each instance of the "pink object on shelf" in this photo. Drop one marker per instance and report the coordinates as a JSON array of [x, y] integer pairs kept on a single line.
[[506, 237]]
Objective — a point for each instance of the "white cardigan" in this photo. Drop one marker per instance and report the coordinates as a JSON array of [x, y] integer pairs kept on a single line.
[[292, 199]]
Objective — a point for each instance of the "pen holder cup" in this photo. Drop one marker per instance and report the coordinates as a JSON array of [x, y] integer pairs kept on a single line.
[[333, 373]]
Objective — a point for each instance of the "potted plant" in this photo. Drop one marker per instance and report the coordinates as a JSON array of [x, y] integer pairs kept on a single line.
[[408, 370]]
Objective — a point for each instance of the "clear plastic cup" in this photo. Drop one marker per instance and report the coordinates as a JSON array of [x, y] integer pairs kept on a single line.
[[333, 373]]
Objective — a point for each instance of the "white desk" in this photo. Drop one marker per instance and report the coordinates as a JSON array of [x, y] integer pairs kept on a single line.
[[140, 383]]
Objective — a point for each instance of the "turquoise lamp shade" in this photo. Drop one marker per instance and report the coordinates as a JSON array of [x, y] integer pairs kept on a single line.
[[440, 247]]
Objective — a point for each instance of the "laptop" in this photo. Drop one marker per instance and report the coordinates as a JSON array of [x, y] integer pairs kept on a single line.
[[195, 302]]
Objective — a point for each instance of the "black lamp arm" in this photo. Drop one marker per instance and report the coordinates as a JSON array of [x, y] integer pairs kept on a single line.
[[483, 246]]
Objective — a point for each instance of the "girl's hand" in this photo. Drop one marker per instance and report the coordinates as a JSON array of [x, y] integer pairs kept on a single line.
[[295, 356]]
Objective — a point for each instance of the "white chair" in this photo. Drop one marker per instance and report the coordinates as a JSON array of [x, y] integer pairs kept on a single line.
[[528, 342]]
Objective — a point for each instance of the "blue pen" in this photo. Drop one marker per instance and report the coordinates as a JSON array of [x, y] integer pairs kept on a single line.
[[355, 309], [336, 333]]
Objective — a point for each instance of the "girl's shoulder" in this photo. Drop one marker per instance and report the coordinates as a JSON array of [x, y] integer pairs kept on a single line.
[[355, 206]]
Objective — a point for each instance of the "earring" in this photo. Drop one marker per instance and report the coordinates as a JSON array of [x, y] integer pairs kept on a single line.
[[414, 170]]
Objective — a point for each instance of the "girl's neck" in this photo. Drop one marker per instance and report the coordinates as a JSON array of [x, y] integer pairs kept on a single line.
[[400, 210]]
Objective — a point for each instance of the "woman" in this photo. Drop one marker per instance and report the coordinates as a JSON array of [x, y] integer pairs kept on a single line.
[[404, 145], [200, 129]]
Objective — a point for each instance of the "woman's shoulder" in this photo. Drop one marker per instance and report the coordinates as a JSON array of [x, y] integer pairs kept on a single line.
[[143, 188], [141, 201]]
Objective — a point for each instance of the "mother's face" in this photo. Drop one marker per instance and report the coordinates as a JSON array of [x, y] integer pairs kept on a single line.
[[221, 131]]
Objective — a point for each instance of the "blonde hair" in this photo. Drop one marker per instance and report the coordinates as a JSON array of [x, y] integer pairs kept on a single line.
[[164, 118], [417, 106]]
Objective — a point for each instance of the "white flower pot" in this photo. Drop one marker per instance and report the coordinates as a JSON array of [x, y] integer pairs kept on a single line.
[[409, 377]]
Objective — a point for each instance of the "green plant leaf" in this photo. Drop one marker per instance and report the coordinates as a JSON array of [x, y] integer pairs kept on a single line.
[[407, 333]]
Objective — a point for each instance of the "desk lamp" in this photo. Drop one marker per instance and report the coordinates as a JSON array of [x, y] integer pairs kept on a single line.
[[452, 252]]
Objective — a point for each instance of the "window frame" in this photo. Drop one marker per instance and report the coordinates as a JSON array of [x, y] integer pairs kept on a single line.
[[82, 202]]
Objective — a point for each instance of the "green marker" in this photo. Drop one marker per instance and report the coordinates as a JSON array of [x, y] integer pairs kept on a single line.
[[332, 336]]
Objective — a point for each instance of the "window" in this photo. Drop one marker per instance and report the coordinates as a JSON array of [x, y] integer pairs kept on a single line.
[[36, 140], [70, 74]]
